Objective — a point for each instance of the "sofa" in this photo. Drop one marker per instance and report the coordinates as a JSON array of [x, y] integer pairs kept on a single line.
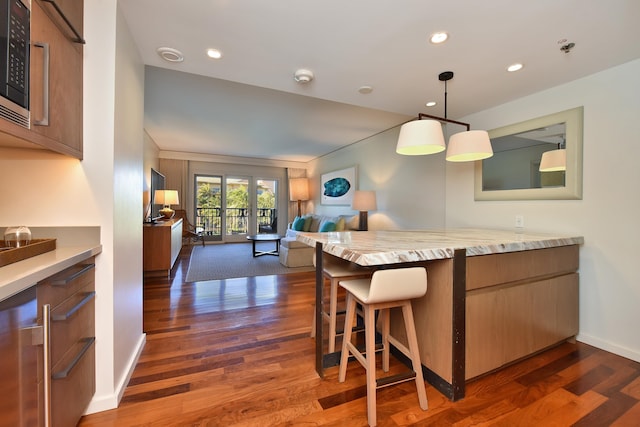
[[296, 254]]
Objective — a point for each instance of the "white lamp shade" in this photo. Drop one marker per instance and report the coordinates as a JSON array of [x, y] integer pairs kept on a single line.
[[166, 197], [298, 189], [364, 201], [554, 161], [469, 146], [420, 137]]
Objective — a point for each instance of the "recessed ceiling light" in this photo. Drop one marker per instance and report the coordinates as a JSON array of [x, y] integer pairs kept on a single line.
[[170, 54], [431, 104], [365, 89], [214, 53], [514, 67], [439, 37]]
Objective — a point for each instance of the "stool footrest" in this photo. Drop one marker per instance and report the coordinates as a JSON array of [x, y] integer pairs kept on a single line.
[[355, 329], [395, 379]]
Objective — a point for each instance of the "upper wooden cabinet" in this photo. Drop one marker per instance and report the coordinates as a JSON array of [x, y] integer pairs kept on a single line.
[[55, 80]]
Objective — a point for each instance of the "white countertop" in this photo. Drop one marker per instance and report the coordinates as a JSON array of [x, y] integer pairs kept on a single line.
[[369, 248], [73, 244]]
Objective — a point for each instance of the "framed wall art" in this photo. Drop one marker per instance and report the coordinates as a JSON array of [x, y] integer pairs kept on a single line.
[[337, 188]]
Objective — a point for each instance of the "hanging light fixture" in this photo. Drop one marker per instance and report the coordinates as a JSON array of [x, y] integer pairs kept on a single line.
[[554, 160], [424, 136]]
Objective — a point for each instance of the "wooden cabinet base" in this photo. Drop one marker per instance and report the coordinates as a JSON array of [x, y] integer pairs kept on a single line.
[[518, 304], [161, 245]]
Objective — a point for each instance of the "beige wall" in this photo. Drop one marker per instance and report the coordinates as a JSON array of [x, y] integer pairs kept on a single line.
[[128, 210], [409, 190]]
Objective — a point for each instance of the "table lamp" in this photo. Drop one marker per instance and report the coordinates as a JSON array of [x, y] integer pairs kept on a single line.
[[298, 191], [364, 201], [166, 198]]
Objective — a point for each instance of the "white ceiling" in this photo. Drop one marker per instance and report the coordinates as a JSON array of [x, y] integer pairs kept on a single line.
[[247, 103]]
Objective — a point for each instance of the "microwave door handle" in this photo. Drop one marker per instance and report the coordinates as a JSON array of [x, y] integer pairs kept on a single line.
[[45, 85]]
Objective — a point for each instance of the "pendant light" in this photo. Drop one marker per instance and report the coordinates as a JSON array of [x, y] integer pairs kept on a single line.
[[425, 136], [554, 160]]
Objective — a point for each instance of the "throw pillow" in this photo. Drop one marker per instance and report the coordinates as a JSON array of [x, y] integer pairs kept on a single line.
[[327, 226], [341, 224], [314, 225], [307, 222], [298, 224]]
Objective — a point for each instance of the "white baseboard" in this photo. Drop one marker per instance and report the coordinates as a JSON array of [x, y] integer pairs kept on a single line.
[[112, 400], [610, 347]]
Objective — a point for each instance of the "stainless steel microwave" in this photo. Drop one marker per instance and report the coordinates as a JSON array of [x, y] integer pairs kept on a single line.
[[15, 36]]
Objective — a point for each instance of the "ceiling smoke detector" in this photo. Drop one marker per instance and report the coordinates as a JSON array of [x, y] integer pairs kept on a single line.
[[566, 48], [170, 54], [303, 76]]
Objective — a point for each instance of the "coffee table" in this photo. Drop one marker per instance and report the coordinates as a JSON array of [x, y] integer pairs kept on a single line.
[[265, 238]]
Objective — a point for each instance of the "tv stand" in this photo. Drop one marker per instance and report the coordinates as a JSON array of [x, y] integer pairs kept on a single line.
[[162, 242]]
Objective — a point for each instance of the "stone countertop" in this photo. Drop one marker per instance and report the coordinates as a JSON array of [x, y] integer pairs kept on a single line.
[[73, 244], [370, 248]]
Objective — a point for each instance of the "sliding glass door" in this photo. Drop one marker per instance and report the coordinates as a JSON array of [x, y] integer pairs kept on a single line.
[[208, 206], [266, 201], [237, 209], [228, 208]]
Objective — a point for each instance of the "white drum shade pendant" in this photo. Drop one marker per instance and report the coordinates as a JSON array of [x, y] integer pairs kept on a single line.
[[420, 137], [554, 161], [469, 146]]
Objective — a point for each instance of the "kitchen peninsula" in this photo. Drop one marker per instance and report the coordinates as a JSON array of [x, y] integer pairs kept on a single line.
[[493, 296]]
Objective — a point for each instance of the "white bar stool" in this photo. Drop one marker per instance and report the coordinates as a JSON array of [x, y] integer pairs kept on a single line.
[[334, 271], [386, 289]]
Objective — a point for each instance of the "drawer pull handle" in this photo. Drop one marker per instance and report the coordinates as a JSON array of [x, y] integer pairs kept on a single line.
[[65, 372], [46, 361], [78, 38], [66, 281], [62, 317]]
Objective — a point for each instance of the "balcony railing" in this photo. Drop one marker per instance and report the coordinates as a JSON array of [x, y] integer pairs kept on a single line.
[[237, 220]]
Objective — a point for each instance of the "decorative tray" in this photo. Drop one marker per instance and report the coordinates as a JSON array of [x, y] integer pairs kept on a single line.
[[36, 247]]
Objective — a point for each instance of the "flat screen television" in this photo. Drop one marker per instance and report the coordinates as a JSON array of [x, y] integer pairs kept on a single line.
[[157, 183]]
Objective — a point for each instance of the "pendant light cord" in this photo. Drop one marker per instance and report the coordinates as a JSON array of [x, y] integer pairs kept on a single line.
[[445, 99]]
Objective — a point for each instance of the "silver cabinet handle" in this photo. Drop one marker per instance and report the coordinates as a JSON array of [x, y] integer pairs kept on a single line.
[[67, 280], [75, 32], [45, 85], [46, 359], [62, 317], [64, 373]]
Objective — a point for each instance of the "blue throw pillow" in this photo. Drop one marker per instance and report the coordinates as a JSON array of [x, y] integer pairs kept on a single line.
[[327, 226], [298, 223]]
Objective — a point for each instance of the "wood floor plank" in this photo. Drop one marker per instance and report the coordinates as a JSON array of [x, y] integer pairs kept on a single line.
[[631, 418], [238, 353], [633, 389]]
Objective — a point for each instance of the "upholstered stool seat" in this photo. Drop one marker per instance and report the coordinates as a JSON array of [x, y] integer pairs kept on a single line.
[[386, 289], [334, 270]]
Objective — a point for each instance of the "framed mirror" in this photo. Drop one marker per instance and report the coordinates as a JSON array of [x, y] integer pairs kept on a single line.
[[514, 172]]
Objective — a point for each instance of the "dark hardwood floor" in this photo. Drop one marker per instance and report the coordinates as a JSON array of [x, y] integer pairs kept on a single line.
[[238, 353]]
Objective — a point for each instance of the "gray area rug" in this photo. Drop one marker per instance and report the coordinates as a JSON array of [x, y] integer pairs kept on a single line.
[[226, 261]]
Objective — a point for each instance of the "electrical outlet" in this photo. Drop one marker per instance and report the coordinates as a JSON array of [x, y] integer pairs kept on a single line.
[[519, 221]]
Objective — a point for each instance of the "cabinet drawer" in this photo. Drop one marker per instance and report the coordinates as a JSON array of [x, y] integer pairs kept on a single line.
[[72, 321], [73, 384], [61, 286], [498, 269]]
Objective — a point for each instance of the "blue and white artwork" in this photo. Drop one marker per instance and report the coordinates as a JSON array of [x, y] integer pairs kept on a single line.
[[337, 187]]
